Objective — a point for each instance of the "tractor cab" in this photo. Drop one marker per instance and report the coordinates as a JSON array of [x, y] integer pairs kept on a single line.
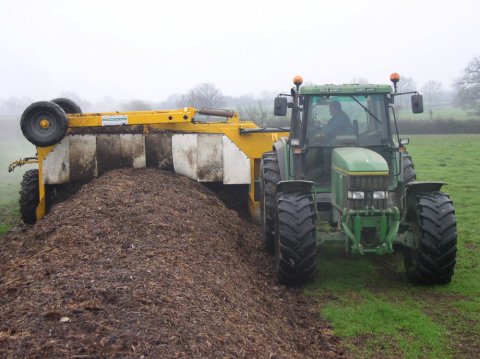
[[352, 117]]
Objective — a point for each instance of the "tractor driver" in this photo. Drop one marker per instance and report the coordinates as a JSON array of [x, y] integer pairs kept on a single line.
[[339, 124]]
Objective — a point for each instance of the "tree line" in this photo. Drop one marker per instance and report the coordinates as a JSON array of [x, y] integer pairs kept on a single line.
[[464, 94]]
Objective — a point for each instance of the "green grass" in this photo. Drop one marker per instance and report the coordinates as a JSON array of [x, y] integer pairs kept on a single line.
[[402, 327], [11, 149], [442, 113], [372, 306]]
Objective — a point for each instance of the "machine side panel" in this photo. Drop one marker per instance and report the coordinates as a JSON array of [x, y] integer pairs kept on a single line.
[[184, 150], [236, 165], [56, 167], [158, 150], [109, 154], [209, 158], [133, 150], [83, 159]]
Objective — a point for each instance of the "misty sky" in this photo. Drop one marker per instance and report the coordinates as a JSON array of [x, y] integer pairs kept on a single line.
[[150, 49]]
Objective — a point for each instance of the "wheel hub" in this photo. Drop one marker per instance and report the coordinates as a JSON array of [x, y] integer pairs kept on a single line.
[[44, 123]]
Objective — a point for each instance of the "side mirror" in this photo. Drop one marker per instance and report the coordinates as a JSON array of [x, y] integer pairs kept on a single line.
[[280, 106], [417, 103], [404, 141]]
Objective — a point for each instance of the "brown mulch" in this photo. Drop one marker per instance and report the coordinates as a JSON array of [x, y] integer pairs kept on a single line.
[[145, 263]]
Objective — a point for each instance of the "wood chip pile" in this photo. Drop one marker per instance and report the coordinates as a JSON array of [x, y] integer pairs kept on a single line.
[[145, 263]]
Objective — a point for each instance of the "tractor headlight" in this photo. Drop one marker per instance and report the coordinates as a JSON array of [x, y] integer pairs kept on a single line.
[[380, 195], [356, 195]]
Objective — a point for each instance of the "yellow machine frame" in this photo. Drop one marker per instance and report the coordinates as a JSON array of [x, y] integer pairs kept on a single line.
[[183, 120]]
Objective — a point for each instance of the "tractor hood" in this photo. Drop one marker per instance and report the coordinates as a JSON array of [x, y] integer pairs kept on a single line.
[[358, 161]]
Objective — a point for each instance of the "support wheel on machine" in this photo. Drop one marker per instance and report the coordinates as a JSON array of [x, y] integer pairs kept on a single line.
[[270, 173], [296, 244], [44, 123], [67, 105], [434, 227], [29, 196]]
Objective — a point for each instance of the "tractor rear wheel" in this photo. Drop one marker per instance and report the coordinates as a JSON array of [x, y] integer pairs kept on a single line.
[[270, 177], [44, 123], [434, 228], [296, 244], [67, 105], [29, 196]]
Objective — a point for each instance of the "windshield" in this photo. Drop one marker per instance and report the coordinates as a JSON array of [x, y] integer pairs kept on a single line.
[[346, 120]]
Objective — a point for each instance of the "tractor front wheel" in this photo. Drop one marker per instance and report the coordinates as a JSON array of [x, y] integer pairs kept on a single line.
[[434, 228], [296, 245]]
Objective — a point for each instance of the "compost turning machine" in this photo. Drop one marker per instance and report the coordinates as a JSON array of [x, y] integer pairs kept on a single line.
[[341, 173]]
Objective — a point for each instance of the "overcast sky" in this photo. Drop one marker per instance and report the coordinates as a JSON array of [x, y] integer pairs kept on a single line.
[[150, 49]]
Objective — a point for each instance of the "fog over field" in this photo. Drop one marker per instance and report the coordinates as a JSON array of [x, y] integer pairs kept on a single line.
[[122, 50]]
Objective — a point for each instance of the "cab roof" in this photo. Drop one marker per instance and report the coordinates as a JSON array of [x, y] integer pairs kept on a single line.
[[345, 89]]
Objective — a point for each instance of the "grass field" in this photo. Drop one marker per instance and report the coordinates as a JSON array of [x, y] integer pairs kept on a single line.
[[11, 149], [372, 306], [368, 300], [441, 113]]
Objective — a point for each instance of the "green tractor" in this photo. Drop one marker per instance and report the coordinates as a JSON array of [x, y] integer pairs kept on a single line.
[[343, 175]]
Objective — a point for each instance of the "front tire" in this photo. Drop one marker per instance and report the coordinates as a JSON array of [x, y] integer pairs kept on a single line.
[[296, 245], [434, 227], [270, 177]]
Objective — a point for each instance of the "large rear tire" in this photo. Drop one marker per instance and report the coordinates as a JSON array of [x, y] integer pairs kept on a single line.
[[434, 227], [44, 123], [296, 245], [270, 177], [29, 196]]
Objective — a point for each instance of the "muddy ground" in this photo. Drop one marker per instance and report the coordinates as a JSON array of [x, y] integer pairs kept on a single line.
[[145, 263]]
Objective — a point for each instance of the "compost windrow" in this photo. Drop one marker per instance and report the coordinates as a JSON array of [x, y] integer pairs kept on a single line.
[[149, 263]]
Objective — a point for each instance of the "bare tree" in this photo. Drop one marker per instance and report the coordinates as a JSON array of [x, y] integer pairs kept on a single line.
[[468, 87], [255, 112], [405, 84], [432, 90], [205, 95]]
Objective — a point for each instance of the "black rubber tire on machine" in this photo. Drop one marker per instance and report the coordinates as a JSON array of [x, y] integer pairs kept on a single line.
[[408, 171], [270, 177], [409, 174], [67, 105], [44, 123], [434, 226], [29, 196], [295, 235]]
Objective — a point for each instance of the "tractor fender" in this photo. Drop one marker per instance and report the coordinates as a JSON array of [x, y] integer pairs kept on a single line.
[[280, 149], [412, 188], [295, 186]]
